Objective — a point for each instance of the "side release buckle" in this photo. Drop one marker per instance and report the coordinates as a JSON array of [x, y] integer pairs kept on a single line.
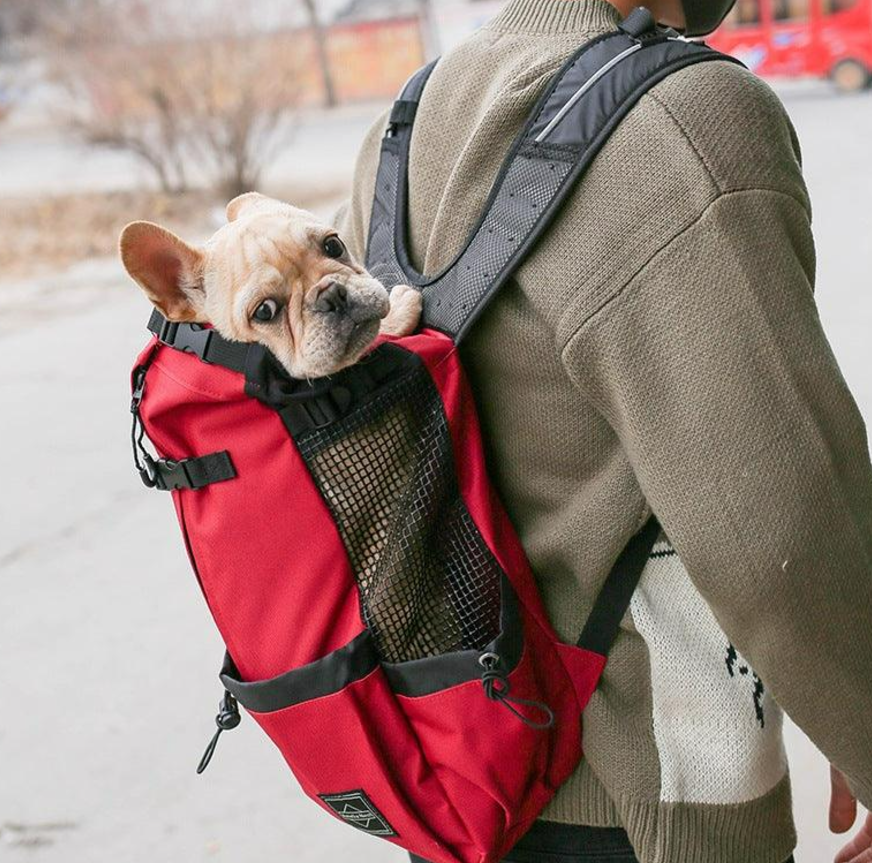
[[190, 338]]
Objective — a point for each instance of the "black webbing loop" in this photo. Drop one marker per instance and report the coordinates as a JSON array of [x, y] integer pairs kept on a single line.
[[602, 626], [406, 106], [403, 113], [638, 22], [196, 339]]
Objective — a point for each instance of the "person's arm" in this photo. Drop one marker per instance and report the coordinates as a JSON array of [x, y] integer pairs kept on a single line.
[[843, 816], [713, 370]]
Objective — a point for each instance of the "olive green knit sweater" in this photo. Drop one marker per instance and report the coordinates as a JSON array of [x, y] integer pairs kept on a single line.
[[661, 348]]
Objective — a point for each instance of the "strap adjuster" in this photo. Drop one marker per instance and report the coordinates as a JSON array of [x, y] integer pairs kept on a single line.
[[403, 112], [321, 411]]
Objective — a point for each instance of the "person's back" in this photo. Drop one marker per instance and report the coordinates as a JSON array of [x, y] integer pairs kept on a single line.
[[660, 350]]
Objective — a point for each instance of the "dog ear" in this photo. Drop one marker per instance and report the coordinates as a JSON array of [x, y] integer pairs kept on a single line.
[[243, 202], [166, 268]]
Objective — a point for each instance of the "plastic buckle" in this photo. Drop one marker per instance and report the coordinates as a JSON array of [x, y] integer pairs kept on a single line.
[[172, 475], [402, 114], [167, 333], [193, 339]]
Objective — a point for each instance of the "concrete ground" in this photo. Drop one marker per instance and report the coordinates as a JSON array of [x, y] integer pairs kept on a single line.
[[108, 655]]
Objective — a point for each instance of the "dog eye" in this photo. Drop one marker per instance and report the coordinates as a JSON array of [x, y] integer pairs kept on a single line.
[[266, 311], [334, 247]]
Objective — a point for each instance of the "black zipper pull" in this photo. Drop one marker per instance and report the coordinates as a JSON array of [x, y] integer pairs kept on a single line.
[[227, 719]]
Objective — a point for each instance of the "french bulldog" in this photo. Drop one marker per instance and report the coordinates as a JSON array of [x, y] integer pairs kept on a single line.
[[275, 275]]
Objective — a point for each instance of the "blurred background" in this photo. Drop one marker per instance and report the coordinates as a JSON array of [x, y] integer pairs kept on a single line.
[[112, 110]]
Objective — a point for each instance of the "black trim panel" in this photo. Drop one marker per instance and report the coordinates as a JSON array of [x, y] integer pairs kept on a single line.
[[323, 677], [434, 673], [359, 658]]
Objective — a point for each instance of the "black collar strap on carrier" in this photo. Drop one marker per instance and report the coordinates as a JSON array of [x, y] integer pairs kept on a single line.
[[587, 99], [205, 343], [303, 405]]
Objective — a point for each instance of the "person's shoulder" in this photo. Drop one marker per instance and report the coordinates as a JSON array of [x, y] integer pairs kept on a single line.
[[736, 125]]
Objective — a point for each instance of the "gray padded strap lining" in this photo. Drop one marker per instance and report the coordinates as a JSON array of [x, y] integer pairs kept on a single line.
[[570, 123]]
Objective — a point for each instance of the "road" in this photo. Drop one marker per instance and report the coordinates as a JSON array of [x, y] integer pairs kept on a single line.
[[49, 160], [108, 656]]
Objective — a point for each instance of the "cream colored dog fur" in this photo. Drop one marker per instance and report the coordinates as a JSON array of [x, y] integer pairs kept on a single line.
[[276, 275]]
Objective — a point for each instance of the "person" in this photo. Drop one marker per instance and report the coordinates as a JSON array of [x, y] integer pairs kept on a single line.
[[660, 350]]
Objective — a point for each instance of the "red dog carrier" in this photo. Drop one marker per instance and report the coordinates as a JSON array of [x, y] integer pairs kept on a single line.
[[381, 620]]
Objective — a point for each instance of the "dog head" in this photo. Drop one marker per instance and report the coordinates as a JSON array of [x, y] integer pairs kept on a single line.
[[274, 274]]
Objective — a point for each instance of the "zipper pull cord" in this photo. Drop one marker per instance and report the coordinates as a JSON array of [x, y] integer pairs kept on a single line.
[[496, 687], [142, 458], [227, 719]]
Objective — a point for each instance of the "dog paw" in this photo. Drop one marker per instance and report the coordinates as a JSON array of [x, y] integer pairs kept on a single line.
[[407, 304]]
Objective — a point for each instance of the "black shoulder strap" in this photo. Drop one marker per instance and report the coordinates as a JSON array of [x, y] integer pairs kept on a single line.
[[613, 601], [572, 120]]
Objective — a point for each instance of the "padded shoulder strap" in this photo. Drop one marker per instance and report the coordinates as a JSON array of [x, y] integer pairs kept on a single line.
[[572, 120]]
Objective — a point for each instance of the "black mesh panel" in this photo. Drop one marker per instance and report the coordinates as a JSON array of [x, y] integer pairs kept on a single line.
[[428, 583]]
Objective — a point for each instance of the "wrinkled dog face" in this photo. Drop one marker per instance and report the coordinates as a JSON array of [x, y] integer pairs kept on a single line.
[[274, 275]]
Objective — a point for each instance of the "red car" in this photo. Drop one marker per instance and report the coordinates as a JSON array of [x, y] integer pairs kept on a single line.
[[793, 38]]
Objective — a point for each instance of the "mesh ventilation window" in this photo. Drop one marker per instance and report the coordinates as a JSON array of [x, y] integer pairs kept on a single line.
[[428, 583]]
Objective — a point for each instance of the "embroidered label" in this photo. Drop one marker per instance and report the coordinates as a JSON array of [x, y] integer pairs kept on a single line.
[[360, 812]]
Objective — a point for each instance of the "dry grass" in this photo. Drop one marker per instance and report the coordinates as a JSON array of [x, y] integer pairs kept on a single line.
[[44, 235]]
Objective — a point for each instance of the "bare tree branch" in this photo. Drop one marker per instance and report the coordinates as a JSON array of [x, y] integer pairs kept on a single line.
[[192, 97], [319, 34]]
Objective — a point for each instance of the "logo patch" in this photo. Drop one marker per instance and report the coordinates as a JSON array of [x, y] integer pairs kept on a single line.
[[360, 812]]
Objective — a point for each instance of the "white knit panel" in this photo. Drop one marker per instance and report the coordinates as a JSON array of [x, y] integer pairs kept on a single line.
[[717, 729]]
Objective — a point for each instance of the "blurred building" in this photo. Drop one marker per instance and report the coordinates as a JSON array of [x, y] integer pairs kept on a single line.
[[443, 23], [375, 46]]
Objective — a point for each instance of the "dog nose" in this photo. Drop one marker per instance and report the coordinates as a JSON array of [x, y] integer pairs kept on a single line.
[[333, 298]]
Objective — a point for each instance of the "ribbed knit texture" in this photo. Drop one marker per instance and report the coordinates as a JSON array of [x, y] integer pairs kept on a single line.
[[661, 348], [554, 17]]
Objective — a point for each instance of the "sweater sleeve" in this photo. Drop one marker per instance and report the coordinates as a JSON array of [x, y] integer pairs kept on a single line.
[[352, 217], [712, 368]]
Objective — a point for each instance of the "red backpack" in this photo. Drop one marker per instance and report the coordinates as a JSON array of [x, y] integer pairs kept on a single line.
[[381, 620]]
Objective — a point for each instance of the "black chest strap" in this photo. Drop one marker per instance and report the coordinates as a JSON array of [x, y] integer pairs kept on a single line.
[[574, 117]]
